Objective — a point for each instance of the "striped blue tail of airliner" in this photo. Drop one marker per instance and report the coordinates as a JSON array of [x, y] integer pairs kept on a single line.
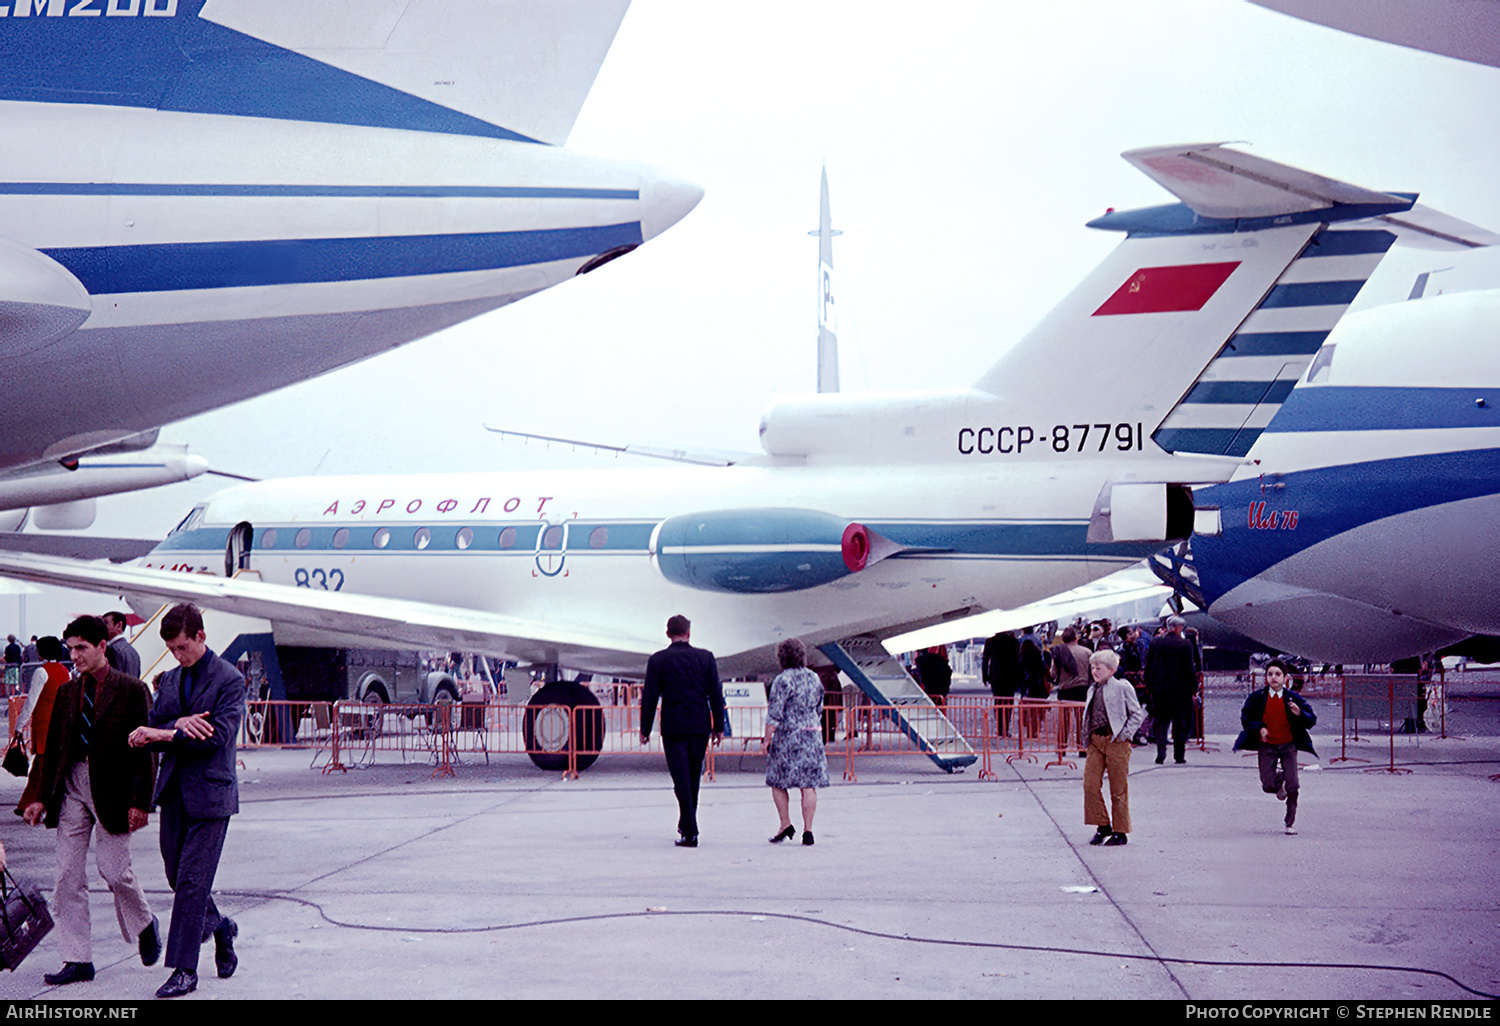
[[1244, 386]]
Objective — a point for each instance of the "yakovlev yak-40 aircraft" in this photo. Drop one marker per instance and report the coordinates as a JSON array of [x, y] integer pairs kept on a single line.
[[867, 514], [205, 200]]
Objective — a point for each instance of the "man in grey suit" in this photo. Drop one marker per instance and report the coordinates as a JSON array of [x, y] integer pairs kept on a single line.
[[122, 655], [194, 724]]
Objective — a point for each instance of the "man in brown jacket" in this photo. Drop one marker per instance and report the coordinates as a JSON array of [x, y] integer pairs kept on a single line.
[[90, 776]]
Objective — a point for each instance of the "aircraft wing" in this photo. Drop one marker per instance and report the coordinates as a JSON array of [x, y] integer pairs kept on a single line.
[[1465, 29], [1133, 584], [382, 622], [77, 546]]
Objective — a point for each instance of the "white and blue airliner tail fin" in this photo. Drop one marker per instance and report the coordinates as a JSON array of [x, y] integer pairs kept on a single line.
[[828, 320], [1205, 317]]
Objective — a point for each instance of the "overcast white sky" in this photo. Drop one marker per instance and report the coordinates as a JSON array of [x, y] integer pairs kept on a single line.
[[966, 143]]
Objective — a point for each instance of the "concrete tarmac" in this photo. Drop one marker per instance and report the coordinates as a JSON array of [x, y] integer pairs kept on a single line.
[[509, 882]]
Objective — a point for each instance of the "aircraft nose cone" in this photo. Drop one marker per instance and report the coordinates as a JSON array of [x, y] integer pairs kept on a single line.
[[666, 199]]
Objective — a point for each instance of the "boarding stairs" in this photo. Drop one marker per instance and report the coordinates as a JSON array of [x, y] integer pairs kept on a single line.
[[877, 673]]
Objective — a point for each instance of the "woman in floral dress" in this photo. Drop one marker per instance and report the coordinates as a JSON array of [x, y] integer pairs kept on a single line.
[[794, 739]]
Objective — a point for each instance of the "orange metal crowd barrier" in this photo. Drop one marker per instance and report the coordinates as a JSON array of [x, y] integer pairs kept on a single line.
[[566, 739]]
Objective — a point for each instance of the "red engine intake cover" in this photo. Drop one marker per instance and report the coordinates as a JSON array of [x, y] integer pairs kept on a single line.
[[856, 547]]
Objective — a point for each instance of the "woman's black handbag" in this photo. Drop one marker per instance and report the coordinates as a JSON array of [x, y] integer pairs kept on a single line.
[[26, 920], [15, 757]]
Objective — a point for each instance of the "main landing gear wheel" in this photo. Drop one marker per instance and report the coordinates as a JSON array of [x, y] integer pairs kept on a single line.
[[547, 730], [374, 719]]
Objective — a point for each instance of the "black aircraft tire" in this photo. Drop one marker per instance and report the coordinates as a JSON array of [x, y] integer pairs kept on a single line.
[[552, 733]]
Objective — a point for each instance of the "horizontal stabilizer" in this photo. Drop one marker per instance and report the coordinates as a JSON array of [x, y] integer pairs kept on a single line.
[[1225, 184], [1424, 228]]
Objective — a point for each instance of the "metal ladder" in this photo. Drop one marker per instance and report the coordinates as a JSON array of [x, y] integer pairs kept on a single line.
[[881, 676]]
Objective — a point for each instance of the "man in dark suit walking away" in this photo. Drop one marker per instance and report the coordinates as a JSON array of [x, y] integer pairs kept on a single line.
[[194, 725], [686, 681], [1171, 682]]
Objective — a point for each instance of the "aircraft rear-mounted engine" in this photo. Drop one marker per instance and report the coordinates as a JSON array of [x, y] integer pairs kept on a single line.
[[759, 551], [1142, 511]]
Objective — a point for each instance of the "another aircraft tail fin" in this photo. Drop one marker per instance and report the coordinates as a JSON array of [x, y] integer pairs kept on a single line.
[[1220, 300], [828, 322], [513, 69]]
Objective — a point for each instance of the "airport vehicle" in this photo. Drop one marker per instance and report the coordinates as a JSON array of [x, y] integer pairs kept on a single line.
[[867, 514], [206, 200]]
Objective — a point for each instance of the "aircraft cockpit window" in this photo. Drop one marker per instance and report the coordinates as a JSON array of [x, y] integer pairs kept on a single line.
[[382, 537], [192, 520], [303, 538], [422, 538], [1321, 365]]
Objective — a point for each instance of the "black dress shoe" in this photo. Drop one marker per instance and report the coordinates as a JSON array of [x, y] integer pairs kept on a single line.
[[807, 837], [1100, 835], [150, 942], [224, 957], [179, 983], [785, 834], [684, 841], [1115, 840], [71, 972]]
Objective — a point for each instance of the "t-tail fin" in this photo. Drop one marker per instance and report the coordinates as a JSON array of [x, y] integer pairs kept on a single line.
[[1204, 318]]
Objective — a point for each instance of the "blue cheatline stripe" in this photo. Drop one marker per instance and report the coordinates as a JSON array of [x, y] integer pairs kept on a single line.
[[1348, 243], [184, 63], [1243, 393], [1221, 441], [1353, 408], [1313, 293], [1275, 343], [180, 266], [317, 191], [945, 540], [1330, 501]]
